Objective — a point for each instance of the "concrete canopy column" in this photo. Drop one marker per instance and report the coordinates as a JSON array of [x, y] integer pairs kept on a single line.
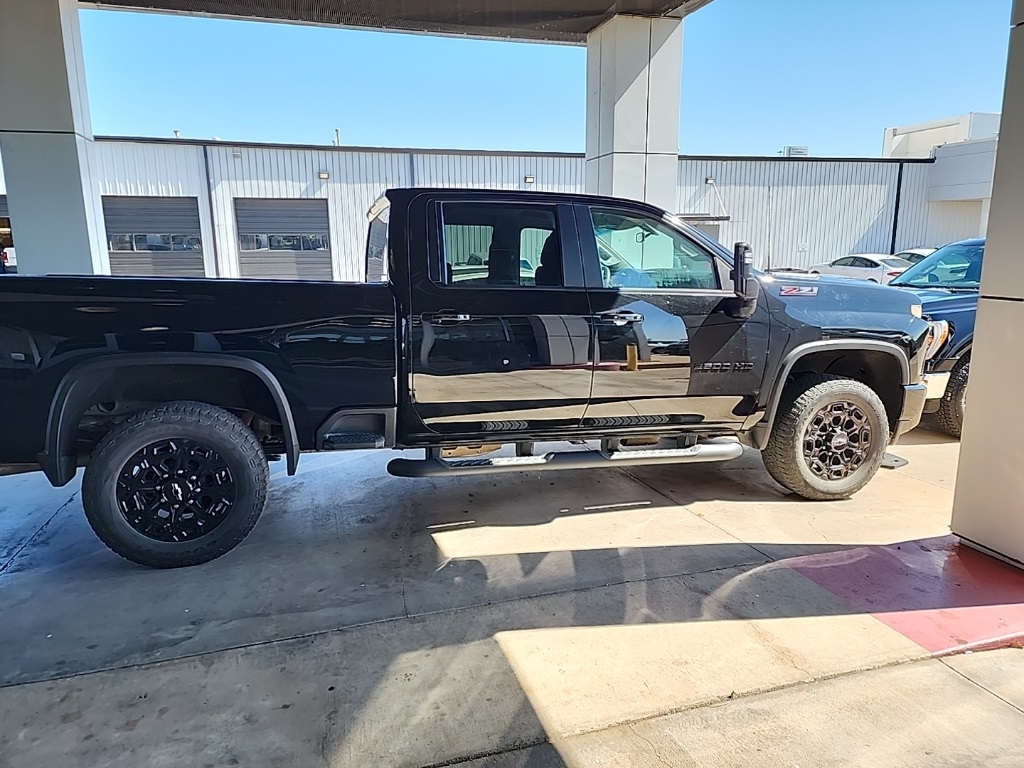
[[46, 141], [634, 75], [988, 509]]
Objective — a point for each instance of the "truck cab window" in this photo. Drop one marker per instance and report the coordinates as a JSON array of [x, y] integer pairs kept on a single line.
[[640, 251], [494, 245]]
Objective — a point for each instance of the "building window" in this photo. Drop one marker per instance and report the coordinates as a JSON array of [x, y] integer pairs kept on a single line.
[[284, 243], [145, 242]]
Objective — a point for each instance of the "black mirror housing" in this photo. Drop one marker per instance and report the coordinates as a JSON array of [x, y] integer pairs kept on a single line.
[[742, 272]]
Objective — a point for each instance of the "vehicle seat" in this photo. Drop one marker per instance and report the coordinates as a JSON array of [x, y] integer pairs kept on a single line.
[[973, 274], [549, 272], [502, 267]]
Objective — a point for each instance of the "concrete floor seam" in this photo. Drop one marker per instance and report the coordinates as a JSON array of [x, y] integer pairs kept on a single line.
[[455, 761], [41, 528], [701, 517], [738, 696], [974, 682]]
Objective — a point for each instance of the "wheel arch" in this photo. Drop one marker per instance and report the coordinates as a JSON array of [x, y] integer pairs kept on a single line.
[[881, 365], [82, 385]]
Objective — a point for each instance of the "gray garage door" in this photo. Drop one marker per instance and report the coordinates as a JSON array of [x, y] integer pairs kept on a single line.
[[154, 236], [284, 239]]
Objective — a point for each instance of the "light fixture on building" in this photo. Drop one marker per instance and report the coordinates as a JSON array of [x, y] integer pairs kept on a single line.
[[529, 179], [237, 154], [709, 180], [324, 175]]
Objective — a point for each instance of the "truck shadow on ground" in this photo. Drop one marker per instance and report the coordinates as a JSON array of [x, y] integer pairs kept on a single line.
[[376, 621]]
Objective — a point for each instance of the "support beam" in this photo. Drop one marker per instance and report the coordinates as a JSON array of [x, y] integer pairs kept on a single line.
[[46, 141], [634, 75], [988, 510]]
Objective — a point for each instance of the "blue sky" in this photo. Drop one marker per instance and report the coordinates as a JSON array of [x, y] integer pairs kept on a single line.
[[756, 75]]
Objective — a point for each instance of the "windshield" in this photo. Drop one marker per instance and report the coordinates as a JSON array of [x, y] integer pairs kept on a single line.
[[955, 266], [894, 262]]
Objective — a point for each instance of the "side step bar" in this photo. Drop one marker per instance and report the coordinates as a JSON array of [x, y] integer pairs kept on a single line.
[[702, 452]]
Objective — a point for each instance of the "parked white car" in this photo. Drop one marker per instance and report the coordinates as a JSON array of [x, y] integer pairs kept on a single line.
[[873, 267], [8, 261], [914, 255]]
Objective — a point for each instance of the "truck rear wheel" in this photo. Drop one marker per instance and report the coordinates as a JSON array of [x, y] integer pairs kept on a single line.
[[829, 437], [177, 485], [950, 415]]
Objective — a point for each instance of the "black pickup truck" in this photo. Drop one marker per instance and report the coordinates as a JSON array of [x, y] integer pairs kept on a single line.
[[488, 320]]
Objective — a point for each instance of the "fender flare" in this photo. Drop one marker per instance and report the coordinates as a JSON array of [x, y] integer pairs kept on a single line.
[[80, 383], [761, 429]]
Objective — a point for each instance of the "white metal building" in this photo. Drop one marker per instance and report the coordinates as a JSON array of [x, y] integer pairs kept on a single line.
[[177, 207]]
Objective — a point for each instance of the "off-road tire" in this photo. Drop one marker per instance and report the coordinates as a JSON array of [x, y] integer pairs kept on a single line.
[[801, 401], [200, 423], [950, 416]]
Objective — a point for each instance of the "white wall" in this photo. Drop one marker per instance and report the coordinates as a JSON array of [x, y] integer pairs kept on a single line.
[[158, 170], [963, 171], [355, 180], [793, 212], [920, 139]]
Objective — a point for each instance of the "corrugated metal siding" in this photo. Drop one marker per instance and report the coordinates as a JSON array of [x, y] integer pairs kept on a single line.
[[912, 230], [818, 209], [794, 214], [3, 206], [500, 171], [949, 222]]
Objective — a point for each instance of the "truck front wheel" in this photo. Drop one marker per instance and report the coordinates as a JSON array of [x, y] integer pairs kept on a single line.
[[950, 416], [180, 484], [828, 439]]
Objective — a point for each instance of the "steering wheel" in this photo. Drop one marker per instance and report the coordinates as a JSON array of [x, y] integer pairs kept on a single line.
[[606, 275]]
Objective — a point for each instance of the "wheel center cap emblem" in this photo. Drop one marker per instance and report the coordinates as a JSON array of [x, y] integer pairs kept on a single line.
[[839, 441], [175, 491]]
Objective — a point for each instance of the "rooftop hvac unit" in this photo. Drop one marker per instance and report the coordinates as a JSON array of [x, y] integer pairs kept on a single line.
[[791, 151]]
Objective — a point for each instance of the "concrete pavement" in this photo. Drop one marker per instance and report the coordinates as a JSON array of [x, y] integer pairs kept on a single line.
[[504, 620]]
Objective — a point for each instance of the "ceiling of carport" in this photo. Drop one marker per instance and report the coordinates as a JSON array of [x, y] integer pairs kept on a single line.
[[560, 21]]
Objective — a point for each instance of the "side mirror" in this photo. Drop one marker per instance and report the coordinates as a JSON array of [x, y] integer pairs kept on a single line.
[[743, 284]]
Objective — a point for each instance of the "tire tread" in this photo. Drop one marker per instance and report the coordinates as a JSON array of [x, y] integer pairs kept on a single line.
[[949, 417], [182, 411], [797, 398]]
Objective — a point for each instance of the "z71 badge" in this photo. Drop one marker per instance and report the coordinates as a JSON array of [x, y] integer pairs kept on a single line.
[[798, 290]]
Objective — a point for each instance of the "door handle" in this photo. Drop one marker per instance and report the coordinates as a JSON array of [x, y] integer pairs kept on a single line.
[[447, 316], [620, 318]]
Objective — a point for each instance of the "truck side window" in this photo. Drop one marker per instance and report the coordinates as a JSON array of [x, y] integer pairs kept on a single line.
[[497, 245], [641, 251]]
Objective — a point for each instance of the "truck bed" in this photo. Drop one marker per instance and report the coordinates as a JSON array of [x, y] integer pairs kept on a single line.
[[326, 343]]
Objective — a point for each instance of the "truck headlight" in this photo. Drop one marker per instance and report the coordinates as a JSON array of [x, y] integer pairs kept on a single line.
[[938, 334], [916, 310]]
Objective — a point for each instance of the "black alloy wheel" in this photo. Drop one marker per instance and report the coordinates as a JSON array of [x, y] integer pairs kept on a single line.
[[180, 484], [175, 490]]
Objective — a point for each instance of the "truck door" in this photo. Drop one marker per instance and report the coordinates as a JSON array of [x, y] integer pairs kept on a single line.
[[500, 334], [671, 348]]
